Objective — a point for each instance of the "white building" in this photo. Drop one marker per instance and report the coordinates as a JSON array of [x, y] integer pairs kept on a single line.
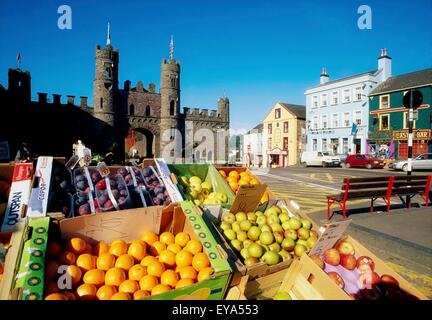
[[252, 147], [332, 107]]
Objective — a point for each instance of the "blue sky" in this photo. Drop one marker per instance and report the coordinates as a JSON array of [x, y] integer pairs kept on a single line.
[[255, 52]]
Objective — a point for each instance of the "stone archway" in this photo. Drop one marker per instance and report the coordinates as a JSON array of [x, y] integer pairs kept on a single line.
[[143, 137]]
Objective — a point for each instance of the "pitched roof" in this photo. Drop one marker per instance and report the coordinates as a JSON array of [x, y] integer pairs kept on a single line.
[[257, 129], [298, 110], [373, 72], [405, 81]]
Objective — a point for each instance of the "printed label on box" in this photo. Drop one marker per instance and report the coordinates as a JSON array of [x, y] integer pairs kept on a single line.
[[39, 196], [19, 195], [248, 198], [165, 173], [330, 236]]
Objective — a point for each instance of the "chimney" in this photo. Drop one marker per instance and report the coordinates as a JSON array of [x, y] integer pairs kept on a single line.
[[56, 98], [384, 64], [83, 102], [139, 86], [70, 99], [324, 78], [126, 85], [42, 97], [152, 88]]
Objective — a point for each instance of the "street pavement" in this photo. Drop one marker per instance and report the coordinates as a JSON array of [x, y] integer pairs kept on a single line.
[[403, 238]]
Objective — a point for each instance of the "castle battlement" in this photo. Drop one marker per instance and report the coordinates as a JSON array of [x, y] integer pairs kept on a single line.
[[56, 99], [201, 114]]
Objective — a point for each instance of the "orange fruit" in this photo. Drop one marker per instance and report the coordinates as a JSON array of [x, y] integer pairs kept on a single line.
[[86, 262], [129, 286], [125, 262], [75, 273], [76, 245], [245, 176], [184, 283], [100, 248], [69, 295], [184, 258], [67, 257], [188, 273], [166, 238], [106, 292], [140, 294], [115, 276], [105, 261], [56, 296], [243, 182], [53, 250], [169, 278], [137, 272], [231, 180], [51, 268], [149, 237], [223, 174], [254, 181], [181, 239], [200, 261], [157, 247], [160, 288], [168, 258], [234, 186], [148, 282], [174, 248], [121, 296], [233, 174], [155, 268], [95, 276], [193, 246], [51, 287], [137, 249], [205, 273], [87, 291], [147, 259], [118, 247]]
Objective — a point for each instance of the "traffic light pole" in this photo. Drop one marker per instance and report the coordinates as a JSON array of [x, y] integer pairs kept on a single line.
[[410, 141]]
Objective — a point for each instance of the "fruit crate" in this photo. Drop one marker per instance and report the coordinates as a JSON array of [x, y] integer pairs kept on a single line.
[[259, 269], [381, 268], [207, 173], [129, 224]]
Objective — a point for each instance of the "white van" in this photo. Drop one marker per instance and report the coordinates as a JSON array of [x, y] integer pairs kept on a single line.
[[317, 158]]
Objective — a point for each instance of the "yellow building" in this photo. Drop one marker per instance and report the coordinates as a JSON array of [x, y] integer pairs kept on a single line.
[[283, 135]]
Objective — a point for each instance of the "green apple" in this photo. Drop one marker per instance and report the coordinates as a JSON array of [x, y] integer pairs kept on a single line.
[[240, 216], [254, 233], [282, 295], [306, 224], [279, 236], [276, 227], [250, 261], [266, 227], [285, 255], [284, 210], [196, 187], [230, 234], [195, 180], [259, 213], [251, 216], [288, 244], [270, 258], [295, 223], [212, 195], [299, 250], [222, 197], [303, 243], [245, 225], [274, 247], [286, 225], [284, 217], [184, 181], [244, 253], [241, 236], [198, 202], [237, 244], [206, 186], [303, 233], [255, 250], [247, 243], [311, 242], [235, 226], [261, 220], [290, 233], [271, 211], [225, 225], [193, 193], [229, 218], [271, 219], [266, 237]]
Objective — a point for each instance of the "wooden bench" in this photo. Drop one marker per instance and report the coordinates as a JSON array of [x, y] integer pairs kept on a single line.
[[380, 187]]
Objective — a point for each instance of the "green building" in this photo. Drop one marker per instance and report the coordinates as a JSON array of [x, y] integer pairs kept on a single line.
[[388, 118]]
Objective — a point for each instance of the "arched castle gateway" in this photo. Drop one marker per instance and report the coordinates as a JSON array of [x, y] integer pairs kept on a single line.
[[137, 118]]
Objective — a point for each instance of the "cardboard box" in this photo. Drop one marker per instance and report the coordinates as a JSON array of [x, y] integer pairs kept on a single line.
[[306, 281], [19, 194], [30, 276], [129, 225], [260, 269], [38, 203]]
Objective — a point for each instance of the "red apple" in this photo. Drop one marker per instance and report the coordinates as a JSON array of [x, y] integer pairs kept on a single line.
[[332, 256], [389, 280], [336, 278], [318, 261], [364, 264], [344, 247], [348, 261], [368, 280]]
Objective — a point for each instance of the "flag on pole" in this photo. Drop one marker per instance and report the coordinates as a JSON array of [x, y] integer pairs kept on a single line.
[[19, 59], [354, 129]]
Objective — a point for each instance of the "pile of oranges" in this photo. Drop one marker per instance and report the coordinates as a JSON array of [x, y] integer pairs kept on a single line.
[[235, 179], [121, 271]]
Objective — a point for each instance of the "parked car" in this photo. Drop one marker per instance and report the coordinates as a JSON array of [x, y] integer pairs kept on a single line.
[[420, 162], [342, 157], [317, 158], [363, 161]]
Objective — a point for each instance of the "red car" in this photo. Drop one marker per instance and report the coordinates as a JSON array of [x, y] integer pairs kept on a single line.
[[363, 161]]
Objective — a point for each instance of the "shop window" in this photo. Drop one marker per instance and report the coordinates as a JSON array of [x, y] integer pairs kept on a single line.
[[384, 122], [406, 121]]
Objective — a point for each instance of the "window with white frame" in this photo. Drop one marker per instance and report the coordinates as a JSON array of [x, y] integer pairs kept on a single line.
[[324, 145], [335, 98], [358, 117], [346, 95], [345, 145], [315, 122], [358, 94], [324, 100], [314, 101], [335, 120], [324, 121], [314, 144], [346, 119]]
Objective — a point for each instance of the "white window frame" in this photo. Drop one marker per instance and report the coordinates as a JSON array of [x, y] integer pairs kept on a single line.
[[314, 145], [358, 91], [324, 140], [349, 119], [314, 101], [324, 117], [335, 94], [315, 123], [361, 117], [335, 116], [345, 96], [324, 100]]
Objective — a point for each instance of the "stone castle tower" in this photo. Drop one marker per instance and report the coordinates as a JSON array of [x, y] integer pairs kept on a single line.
[[105, 85]]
